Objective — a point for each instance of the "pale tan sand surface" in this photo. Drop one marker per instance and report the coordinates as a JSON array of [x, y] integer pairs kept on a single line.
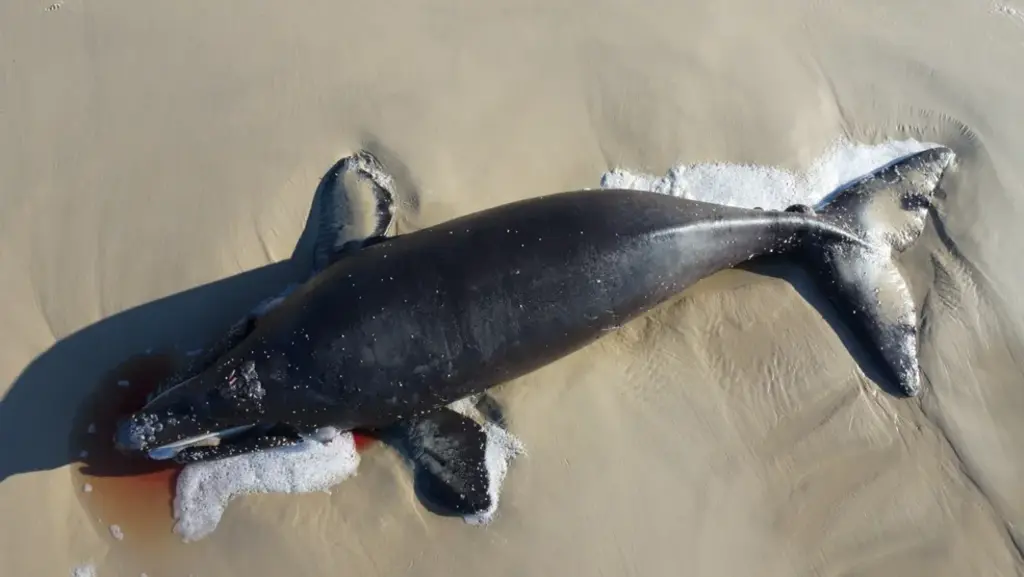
[[157, 162]]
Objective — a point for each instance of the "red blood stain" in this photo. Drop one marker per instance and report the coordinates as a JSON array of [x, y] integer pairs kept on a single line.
[[135, 494], [362, 440]]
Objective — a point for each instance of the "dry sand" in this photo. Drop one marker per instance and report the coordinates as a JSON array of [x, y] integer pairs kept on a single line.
[[157, 161]]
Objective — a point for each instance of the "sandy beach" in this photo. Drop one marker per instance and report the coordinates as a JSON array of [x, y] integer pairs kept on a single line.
[[157, 165]]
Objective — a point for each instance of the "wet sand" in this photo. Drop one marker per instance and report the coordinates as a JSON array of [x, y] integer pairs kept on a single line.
[[158, 162]]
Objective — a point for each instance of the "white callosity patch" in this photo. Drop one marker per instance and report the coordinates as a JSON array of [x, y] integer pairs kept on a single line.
[[770, 188], [204, 489]]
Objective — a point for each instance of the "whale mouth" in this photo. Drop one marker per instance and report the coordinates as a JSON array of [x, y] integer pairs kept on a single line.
[[214, 439], [235, 441]]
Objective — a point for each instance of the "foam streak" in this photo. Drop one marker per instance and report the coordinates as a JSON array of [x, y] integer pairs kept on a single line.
[[750, 186]]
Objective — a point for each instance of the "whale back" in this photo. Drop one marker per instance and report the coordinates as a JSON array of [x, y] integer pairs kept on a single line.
[[428, 317]]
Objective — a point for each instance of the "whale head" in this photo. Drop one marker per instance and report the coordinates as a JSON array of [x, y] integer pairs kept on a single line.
[[217, 413]]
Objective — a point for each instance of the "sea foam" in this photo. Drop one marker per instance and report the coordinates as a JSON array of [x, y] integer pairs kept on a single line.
[[750, 186], [204, 489]]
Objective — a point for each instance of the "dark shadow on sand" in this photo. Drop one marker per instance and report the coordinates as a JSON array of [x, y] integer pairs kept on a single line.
[[45, 415]]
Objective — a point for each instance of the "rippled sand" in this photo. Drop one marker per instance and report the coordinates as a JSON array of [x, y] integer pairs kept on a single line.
[[158, 160]]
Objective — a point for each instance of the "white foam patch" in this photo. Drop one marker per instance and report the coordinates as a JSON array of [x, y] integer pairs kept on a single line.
[[502, 448], [84, 571], [204, 489], [750, 186]]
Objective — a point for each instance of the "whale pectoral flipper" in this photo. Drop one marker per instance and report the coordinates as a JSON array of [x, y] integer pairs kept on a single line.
[[458, 464], [356, 200], [447, 452]]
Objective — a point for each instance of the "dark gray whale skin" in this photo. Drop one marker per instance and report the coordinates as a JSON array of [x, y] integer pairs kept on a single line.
[[418, 321], [424, 319], [404, 326]]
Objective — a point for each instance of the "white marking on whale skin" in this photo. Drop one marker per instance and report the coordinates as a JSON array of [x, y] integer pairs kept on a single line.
[[765, 223], [169, 450]]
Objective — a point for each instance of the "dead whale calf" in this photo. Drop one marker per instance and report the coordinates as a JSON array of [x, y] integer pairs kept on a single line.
[[391, 330]]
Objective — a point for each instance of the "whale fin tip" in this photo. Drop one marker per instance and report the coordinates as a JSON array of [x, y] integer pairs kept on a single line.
[[356, 200], [458, 464]]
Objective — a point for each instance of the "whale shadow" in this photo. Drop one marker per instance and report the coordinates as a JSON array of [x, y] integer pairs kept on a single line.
[[45, 414]]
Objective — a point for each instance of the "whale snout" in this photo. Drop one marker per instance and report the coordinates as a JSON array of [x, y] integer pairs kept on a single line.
[[185, 418], [130, 436], [167, 420], [142, 432]]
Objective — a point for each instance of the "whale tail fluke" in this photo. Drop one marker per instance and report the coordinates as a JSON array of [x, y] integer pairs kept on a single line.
[[887, 209]]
